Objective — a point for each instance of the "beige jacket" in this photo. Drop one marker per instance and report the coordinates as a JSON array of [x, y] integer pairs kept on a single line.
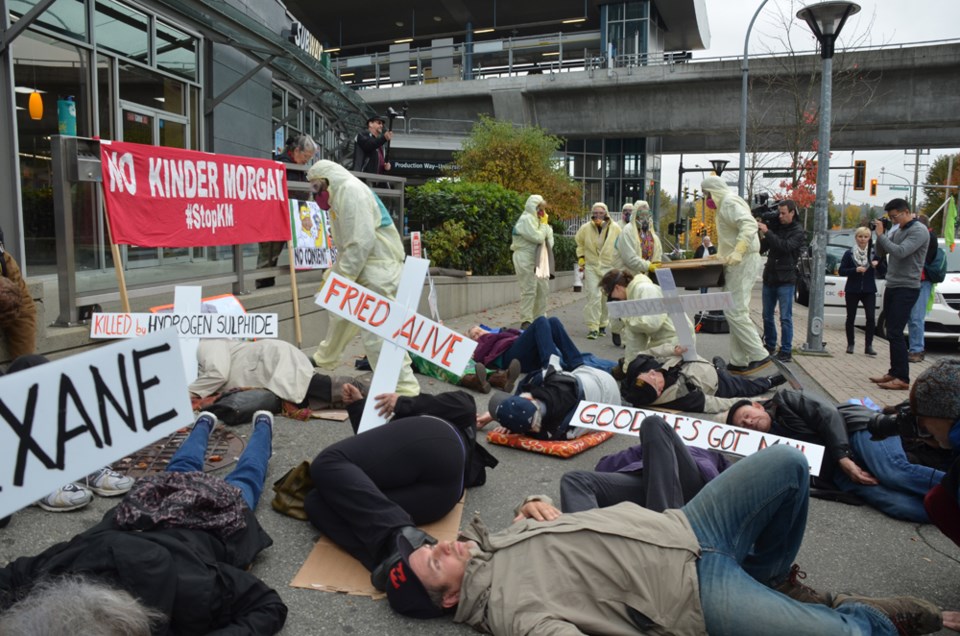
[[700, 373], [589, 572], [598, 249], [274, 365]]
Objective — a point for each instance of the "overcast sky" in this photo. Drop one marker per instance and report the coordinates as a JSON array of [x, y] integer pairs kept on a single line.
[[879, 22]]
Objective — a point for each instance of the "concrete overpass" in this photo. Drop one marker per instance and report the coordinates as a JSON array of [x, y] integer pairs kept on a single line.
[[694, 106]]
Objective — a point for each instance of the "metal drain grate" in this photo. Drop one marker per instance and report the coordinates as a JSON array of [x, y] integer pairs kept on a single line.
[[223, 449]]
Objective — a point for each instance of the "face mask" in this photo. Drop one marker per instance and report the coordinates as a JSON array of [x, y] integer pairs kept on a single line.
[[626, 217], [323, 199], [711, 204], [644, 226]]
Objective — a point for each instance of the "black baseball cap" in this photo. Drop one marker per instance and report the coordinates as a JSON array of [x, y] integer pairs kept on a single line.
[[405, 593], [380, 118], [736, 407]]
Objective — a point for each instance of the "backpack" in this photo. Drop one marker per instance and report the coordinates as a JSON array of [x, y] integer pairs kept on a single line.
[[936, 270]]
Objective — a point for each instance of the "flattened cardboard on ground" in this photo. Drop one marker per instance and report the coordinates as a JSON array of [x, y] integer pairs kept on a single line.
[[337, 415], [330, 569]]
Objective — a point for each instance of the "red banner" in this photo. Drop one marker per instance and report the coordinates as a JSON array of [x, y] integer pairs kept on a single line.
[[168, 197]]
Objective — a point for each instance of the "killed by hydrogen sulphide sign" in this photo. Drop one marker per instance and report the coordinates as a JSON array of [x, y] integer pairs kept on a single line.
[[65, 419], [133, 325], [693, 431]]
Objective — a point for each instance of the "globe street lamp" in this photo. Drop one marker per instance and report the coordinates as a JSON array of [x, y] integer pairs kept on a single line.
[[825, 19]]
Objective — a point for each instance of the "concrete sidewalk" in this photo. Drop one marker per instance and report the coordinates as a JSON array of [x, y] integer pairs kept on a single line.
[[844, 376]]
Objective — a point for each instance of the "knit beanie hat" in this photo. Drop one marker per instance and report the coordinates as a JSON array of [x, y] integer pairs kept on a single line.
[[936, 391]]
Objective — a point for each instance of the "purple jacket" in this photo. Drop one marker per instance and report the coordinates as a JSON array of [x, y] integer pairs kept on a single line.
[[710, 463], [491, 346]]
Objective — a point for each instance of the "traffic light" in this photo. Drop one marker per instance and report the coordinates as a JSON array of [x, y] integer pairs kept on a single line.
[[873, 187], [859, 174]]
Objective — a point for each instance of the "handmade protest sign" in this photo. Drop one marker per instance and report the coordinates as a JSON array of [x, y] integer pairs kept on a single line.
[[693, 431], [62, 420], [416, 246], [397, 322], [158, 196], [119, 325], [675, 306], [313, 246]]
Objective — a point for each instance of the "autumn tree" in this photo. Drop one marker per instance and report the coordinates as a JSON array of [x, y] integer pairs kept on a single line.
[[934, 197], [795, 129], [519, 159]]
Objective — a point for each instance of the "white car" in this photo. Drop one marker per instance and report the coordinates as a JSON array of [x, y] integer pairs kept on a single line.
[[943, 320]]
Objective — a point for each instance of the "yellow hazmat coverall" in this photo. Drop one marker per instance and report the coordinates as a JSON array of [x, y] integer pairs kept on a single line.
[[739, 245], [369, 252], [597, 247], [529, 232]]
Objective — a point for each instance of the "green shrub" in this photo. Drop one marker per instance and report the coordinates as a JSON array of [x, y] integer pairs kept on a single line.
[[447, 243], [564, 252], [486, 212]]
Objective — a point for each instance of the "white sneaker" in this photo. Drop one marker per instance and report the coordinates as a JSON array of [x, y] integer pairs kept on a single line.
[[66, 497], [108, 483]]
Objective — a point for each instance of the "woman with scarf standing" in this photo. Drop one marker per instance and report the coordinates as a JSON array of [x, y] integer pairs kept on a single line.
[[860, 265]]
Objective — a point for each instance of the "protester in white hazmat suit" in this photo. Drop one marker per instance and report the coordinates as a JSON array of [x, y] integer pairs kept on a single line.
[[738, 245], [640, 333], [369, 252], [631, 243], [626, 213], [531, 231], [596, 255]]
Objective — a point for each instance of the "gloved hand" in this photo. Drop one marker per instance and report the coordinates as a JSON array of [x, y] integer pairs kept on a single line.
[[581, 263], [734, 259], [544, 218], [653, 267]]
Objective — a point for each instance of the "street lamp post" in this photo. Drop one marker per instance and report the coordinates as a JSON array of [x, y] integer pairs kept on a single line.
[[825, 19], [745, 73]]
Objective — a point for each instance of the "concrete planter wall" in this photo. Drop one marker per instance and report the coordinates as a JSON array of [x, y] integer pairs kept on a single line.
[[455, 297]]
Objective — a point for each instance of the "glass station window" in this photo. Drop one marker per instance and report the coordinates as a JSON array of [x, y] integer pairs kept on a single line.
[[122, 30], [176, 51], [66, 17]]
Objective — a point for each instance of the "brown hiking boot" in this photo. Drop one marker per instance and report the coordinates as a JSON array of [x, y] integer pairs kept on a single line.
[[908, 614], [476, 381], [505, 380], [796, 590]]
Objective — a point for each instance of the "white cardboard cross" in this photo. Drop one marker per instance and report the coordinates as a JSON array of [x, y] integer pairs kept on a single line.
[[401, 327], [387, 373], [675, 306]]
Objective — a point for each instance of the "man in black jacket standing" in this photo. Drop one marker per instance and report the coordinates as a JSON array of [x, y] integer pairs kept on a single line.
[[369, 154], [783, 243]]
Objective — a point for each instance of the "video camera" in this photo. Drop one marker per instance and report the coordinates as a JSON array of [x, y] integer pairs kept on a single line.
[[887, 224], [902, 422], [765, 210]]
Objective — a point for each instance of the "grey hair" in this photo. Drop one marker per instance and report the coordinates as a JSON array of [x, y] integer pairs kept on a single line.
[[74, 605], [305, 143]]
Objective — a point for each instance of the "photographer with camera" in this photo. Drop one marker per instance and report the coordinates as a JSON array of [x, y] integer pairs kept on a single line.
[[369, 154], [935, 403], [782, 239], [856, 461], [906, 250]]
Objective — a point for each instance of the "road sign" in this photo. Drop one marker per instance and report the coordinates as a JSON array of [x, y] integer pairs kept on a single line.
[[899, 187], [777, 175]]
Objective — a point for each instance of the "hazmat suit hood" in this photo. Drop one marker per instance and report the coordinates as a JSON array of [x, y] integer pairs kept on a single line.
[[337, 176], [532, 202], [717, 188]]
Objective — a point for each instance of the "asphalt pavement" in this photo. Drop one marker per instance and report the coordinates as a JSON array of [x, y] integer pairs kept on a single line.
[[846, 548]]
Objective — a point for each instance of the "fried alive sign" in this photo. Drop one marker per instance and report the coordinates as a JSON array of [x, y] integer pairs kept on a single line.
[[62, 420], [391, 321], [168, 197], [692, 430]]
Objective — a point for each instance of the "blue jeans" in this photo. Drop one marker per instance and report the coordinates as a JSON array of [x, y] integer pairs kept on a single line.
[[750, 522], [782, 294], [902, 485], [917, 316], [897, 303], [251, 470], [543, 338]]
